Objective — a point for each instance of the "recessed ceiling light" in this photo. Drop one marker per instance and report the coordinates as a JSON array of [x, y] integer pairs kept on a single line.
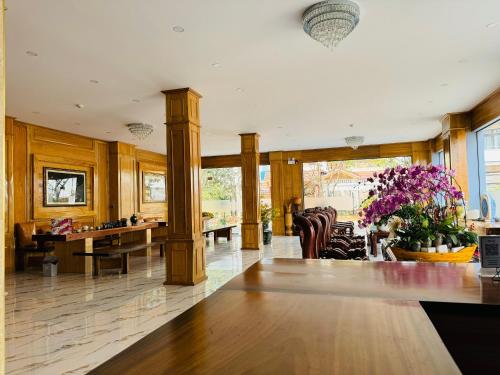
[[31, 53], [351, 125], [178, 29], [36, 112], [462, 61], [279, 127], [443, 84], [79, 105], [430, 101], [136, 100], [94, 81], [492, 25], [77, 123], [108, 132], [216, 65], [239, 89]]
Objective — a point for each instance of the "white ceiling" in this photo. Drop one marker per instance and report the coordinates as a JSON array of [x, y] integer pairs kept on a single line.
[[406, 64]]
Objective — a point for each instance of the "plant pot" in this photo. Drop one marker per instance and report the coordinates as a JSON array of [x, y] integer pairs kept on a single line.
[[438, 241], [427, 243], [416, 246], [268, 235]]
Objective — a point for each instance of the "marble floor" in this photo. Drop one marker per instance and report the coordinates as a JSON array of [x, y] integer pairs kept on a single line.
[[71, 323]]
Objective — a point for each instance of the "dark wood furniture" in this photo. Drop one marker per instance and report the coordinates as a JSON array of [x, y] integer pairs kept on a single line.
[[118, 251], [26, 247], [313, 316], [220, 231], [65, 245], [374, 238]]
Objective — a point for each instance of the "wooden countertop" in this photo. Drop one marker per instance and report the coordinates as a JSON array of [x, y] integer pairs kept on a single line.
[[312, 316], [443, 282], [94, 233]]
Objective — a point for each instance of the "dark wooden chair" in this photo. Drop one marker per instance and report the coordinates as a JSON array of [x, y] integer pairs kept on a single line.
[[26, 247], [307, 236]]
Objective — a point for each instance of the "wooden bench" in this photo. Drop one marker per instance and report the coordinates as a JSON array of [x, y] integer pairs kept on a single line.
[[220, 232], [116, 251]]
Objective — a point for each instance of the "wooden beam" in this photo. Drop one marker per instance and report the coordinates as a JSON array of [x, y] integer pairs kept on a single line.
[[251, 228], [486, 111]]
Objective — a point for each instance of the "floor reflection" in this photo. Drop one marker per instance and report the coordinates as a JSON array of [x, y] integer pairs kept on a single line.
[[72, 323]]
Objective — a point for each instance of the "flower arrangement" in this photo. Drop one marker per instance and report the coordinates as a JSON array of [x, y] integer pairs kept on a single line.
[[421, 205]]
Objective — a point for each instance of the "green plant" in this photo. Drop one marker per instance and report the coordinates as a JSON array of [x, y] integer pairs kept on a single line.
[[207, 214], [267, 213]]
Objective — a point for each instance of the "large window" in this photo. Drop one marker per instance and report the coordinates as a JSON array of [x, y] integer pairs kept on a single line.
[[265, 184], [489, 160], [221, 194], [340, 184]]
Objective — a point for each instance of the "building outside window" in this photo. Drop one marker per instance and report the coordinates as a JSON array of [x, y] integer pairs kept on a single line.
[[341, 184]]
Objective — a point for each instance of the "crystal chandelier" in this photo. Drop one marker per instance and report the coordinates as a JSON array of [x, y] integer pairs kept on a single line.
[[140, 130], [329, 22], [354, 141]]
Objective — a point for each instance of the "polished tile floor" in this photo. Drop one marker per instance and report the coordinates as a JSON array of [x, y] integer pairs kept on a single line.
[[71, 323]]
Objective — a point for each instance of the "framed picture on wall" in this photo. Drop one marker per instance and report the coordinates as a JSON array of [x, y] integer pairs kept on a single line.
[[154, 187], [64, 187]]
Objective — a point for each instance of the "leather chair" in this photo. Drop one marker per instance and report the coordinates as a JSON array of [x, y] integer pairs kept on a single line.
[[307, 236], [25, 246]]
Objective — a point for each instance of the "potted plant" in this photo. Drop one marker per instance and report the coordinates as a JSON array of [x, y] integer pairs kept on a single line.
[[267, 214], [423, 205]]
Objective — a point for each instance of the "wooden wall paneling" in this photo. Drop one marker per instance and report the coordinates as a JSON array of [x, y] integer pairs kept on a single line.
[[277, 192], [185, 255], [9, 187], [486, 111], [102, 183], [122, 180], [293, 180], [251, 227], [455, 128], [229, 161], [421, 152]]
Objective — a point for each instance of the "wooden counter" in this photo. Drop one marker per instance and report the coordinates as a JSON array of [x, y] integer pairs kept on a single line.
[[67, 244], [312, 317]]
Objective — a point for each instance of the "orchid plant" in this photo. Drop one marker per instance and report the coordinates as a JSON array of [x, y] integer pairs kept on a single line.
[[425, 200]]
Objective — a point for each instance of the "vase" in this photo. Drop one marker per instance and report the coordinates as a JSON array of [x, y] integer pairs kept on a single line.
[[438, 241], [416, 246], [133, 219], [268, 235], [288, 224]]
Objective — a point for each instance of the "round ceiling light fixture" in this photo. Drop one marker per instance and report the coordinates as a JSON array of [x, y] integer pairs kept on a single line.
[[329, 22], [354, 142], [140, 130], [32, 53], [178, 29]]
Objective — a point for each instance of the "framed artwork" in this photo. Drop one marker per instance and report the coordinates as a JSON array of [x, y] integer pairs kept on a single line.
[[64, 187], [154, 187]]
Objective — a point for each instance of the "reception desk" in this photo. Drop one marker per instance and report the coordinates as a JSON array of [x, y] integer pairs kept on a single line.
[[67, 244], [327, 317]]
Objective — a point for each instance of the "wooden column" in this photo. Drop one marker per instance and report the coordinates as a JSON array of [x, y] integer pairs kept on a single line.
[[185, 261], [122, 183], [454, 134], [2, 190], [277, 192], [251, 227]]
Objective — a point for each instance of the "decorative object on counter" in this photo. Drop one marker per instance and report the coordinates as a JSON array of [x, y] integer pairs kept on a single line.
[[61, 226], [134, 219], [124, 221], [421, 206], [85, 228], [292, 207], [64, 187], [267, 214]]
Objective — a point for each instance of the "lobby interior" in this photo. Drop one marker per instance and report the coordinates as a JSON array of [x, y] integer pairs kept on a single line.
[[221, 187]]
